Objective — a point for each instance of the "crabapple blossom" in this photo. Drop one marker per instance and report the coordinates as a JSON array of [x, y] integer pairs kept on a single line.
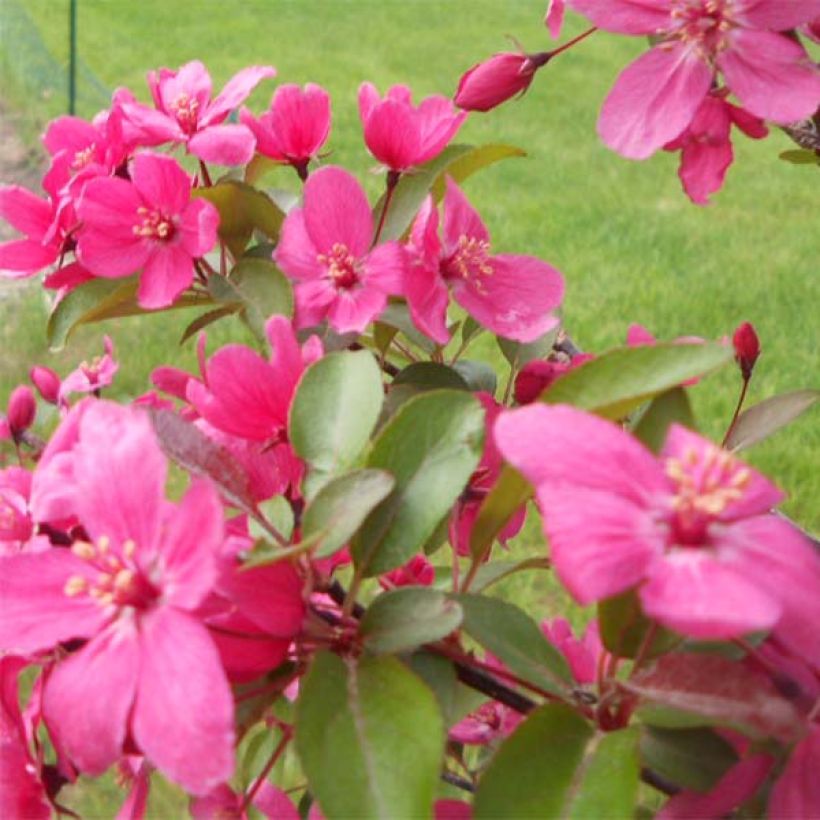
[[747, 348], [47, 383], [93, 376], [692, 528], [185, 113], [149, 223], [494, 81], [401, 135], [22, 409], [326, 247], [512, 295]]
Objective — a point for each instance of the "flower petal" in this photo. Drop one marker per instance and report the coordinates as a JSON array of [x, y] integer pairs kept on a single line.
[[776, 15], [295, 252], [223, 144], [166, 274], [460, 218], [235, 92], [625, 16], [161, 182]]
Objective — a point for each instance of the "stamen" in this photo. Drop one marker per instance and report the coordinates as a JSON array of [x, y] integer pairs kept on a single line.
[[75, 585]]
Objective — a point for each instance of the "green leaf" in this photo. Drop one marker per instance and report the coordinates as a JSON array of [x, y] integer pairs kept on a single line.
[[431, 445], [429, 376], [798, 156], [202, 321], [509, 493], [242, 209], [494, 571], [617, 382], [383, 336], [480, 377], [518, 354], [456, 161], [406, 618], [334, 411], [370, 737], [397, 315], [455, 700], [690, 758], [101, 299], [515, 639], [469, 330], [339, 508], [556, 765], [624, 627], [278, 512], [759, 422], [670, 407]]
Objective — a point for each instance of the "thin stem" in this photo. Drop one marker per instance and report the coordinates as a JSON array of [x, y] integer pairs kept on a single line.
[[508, 387], [206, 177], [349, 603], [475, 565], [646, 645], [270, 529], [263, 776], [572, 42], [301, 169], [392, 182], [740, 401]]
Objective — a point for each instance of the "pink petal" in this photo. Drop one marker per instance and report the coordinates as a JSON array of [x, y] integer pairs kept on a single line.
[[167, 273], [562, 444], [749, 124], [600, 543], [427, 298], [235, 92], [190, 541], [516, 301], [110, 256], [460, 218], [353, 310], [183, 715], [110, 205], [438, 124], [638, 335], [120, 472], [369, 98], [703, 168], [796, 795], [286, 355], [313, 300], [392, 135], [776, 15], [274, 803], [337, 212], [161, 182], [37, 614], [24, 211], [71, 134], [772, 75], [734, 788], [625, 16], [295, 252], [554, 17], [300, 120], [695, 594], [223, 144], [198, 227], [653, 100], [88, 697], [385, 268], [24, 255], [152, 127], [191, 80]]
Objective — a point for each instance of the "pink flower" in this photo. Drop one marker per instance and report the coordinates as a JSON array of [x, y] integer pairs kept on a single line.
[[554, 17], [147, 668], [536, 376], [747, 348], [796, 795], [16, 526], [691, 529], [582, 654], [495, 81], [186, 114], [295, 127], [511, 295], [22, 793], [151, 223], [706, 150], [657, 96], [46, 381], [418, 571], [491, 721], [93, 376], [22, 409], [401, 135], [325, 247]]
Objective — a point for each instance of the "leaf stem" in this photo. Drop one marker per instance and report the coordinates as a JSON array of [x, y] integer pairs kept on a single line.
[[738, 408], [263, 775], [392, 182]]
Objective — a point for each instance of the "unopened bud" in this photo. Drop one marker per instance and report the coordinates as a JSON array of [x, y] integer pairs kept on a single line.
[[418, 571], [747, 348], [534, 378], [22, 410], [494, 81], [47, 383]]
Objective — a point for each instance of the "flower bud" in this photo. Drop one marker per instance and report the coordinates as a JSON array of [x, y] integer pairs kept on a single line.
[[747, 348], [418, 571], [22, 410], [534, 378], [47, 383], [494, 81]]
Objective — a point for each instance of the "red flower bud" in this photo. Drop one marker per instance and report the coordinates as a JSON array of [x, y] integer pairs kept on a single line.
[[494, 81], [747, 348], [534, 378], [22, 409], [47, 383], [418, 571]]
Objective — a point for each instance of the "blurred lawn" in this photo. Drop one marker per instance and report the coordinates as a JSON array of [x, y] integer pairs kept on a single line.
[[631, 246]]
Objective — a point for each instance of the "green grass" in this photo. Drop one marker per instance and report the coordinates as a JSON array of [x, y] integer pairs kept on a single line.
[[631, 246]]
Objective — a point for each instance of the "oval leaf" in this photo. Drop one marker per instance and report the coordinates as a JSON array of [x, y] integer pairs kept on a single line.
[[506, 496], [759, 422], [370, 737], [670, 407], [340, 507], [333, 413], [430, 375], [431, 446], [616, 382], [403, 619], [514, 638]]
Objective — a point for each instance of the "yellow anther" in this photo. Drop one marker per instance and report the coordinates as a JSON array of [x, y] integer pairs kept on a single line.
[[84, 550], [123, 579], [103, 543], [129, 548], [74, 585]]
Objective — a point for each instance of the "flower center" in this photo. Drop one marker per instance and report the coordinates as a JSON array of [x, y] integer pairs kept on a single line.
[[706, 483], [83, 158], [119, 581], [186, 110], [91, 370], [702, 25], [154, 225], [470, 260], [343, 268]]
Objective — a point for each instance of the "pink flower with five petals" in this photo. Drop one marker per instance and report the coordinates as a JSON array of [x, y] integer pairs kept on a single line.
[[150, 223]]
